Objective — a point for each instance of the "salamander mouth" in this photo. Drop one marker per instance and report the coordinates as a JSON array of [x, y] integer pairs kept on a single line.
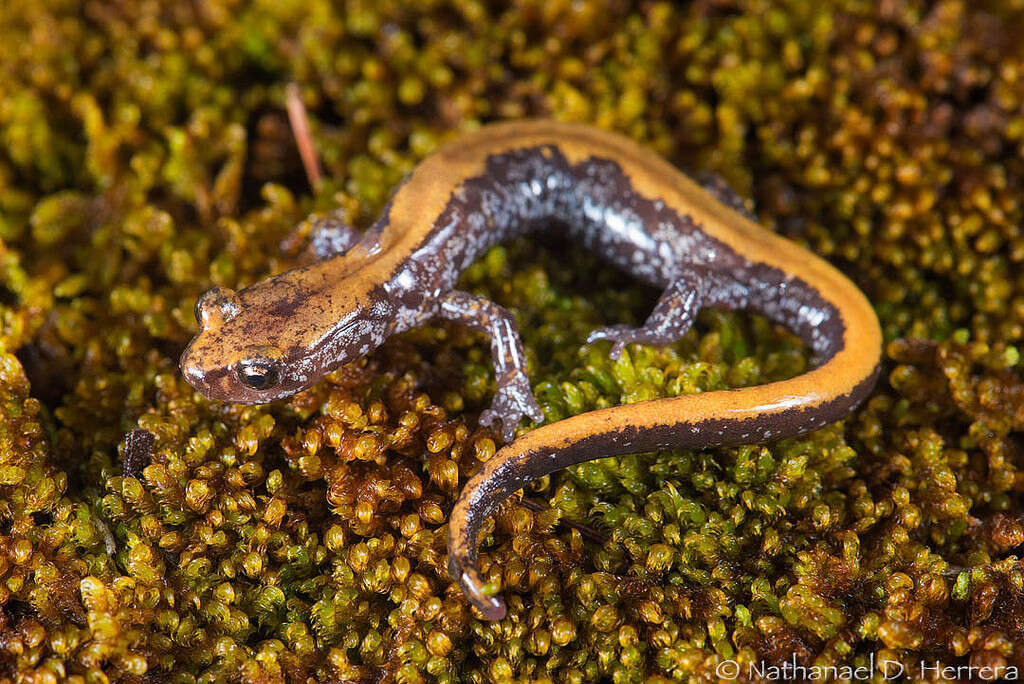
[[256, 380], [212, 383], [225, 383]]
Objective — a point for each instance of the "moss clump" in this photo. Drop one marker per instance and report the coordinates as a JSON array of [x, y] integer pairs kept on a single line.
[[145, 156]]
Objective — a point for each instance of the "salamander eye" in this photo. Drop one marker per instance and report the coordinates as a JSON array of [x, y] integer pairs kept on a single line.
[[259, 374]]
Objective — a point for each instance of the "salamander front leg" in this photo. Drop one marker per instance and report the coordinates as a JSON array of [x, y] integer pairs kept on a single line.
[[724, 192], [331, 235], [676, 309], [514, 398]]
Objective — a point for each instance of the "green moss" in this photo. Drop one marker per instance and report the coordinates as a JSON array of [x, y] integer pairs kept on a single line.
[[145, 156]]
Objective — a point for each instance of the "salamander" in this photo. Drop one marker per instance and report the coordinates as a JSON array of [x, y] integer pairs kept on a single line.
[[609, 195]]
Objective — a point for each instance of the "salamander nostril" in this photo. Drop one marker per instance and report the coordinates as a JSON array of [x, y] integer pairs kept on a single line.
[[259, 374]]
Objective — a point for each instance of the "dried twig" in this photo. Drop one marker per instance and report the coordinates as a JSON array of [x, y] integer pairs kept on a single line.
[[300, 129]]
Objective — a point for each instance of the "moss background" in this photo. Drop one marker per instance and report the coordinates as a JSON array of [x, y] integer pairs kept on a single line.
[[145, 156]]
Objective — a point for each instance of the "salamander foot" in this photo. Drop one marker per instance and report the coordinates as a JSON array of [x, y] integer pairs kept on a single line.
[[677, 308], [513, 400], [621, 335]]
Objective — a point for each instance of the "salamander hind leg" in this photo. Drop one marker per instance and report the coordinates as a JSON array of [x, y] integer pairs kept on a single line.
[[676, 309], [514, 397]]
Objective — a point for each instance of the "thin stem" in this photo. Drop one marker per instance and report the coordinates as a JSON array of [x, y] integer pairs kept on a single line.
[[303, 139], [585, 531]]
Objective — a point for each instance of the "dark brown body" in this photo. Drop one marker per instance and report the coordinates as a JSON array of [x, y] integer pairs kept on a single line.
[[614, 198]]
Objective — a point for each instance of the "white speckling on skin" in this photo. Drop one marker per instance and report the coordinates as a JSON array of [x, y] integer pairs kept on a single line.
[[531, 189]]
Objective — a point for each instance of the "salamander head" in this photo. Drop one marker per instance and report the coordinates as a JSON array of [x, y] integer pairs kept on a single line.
[[278, 337]]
